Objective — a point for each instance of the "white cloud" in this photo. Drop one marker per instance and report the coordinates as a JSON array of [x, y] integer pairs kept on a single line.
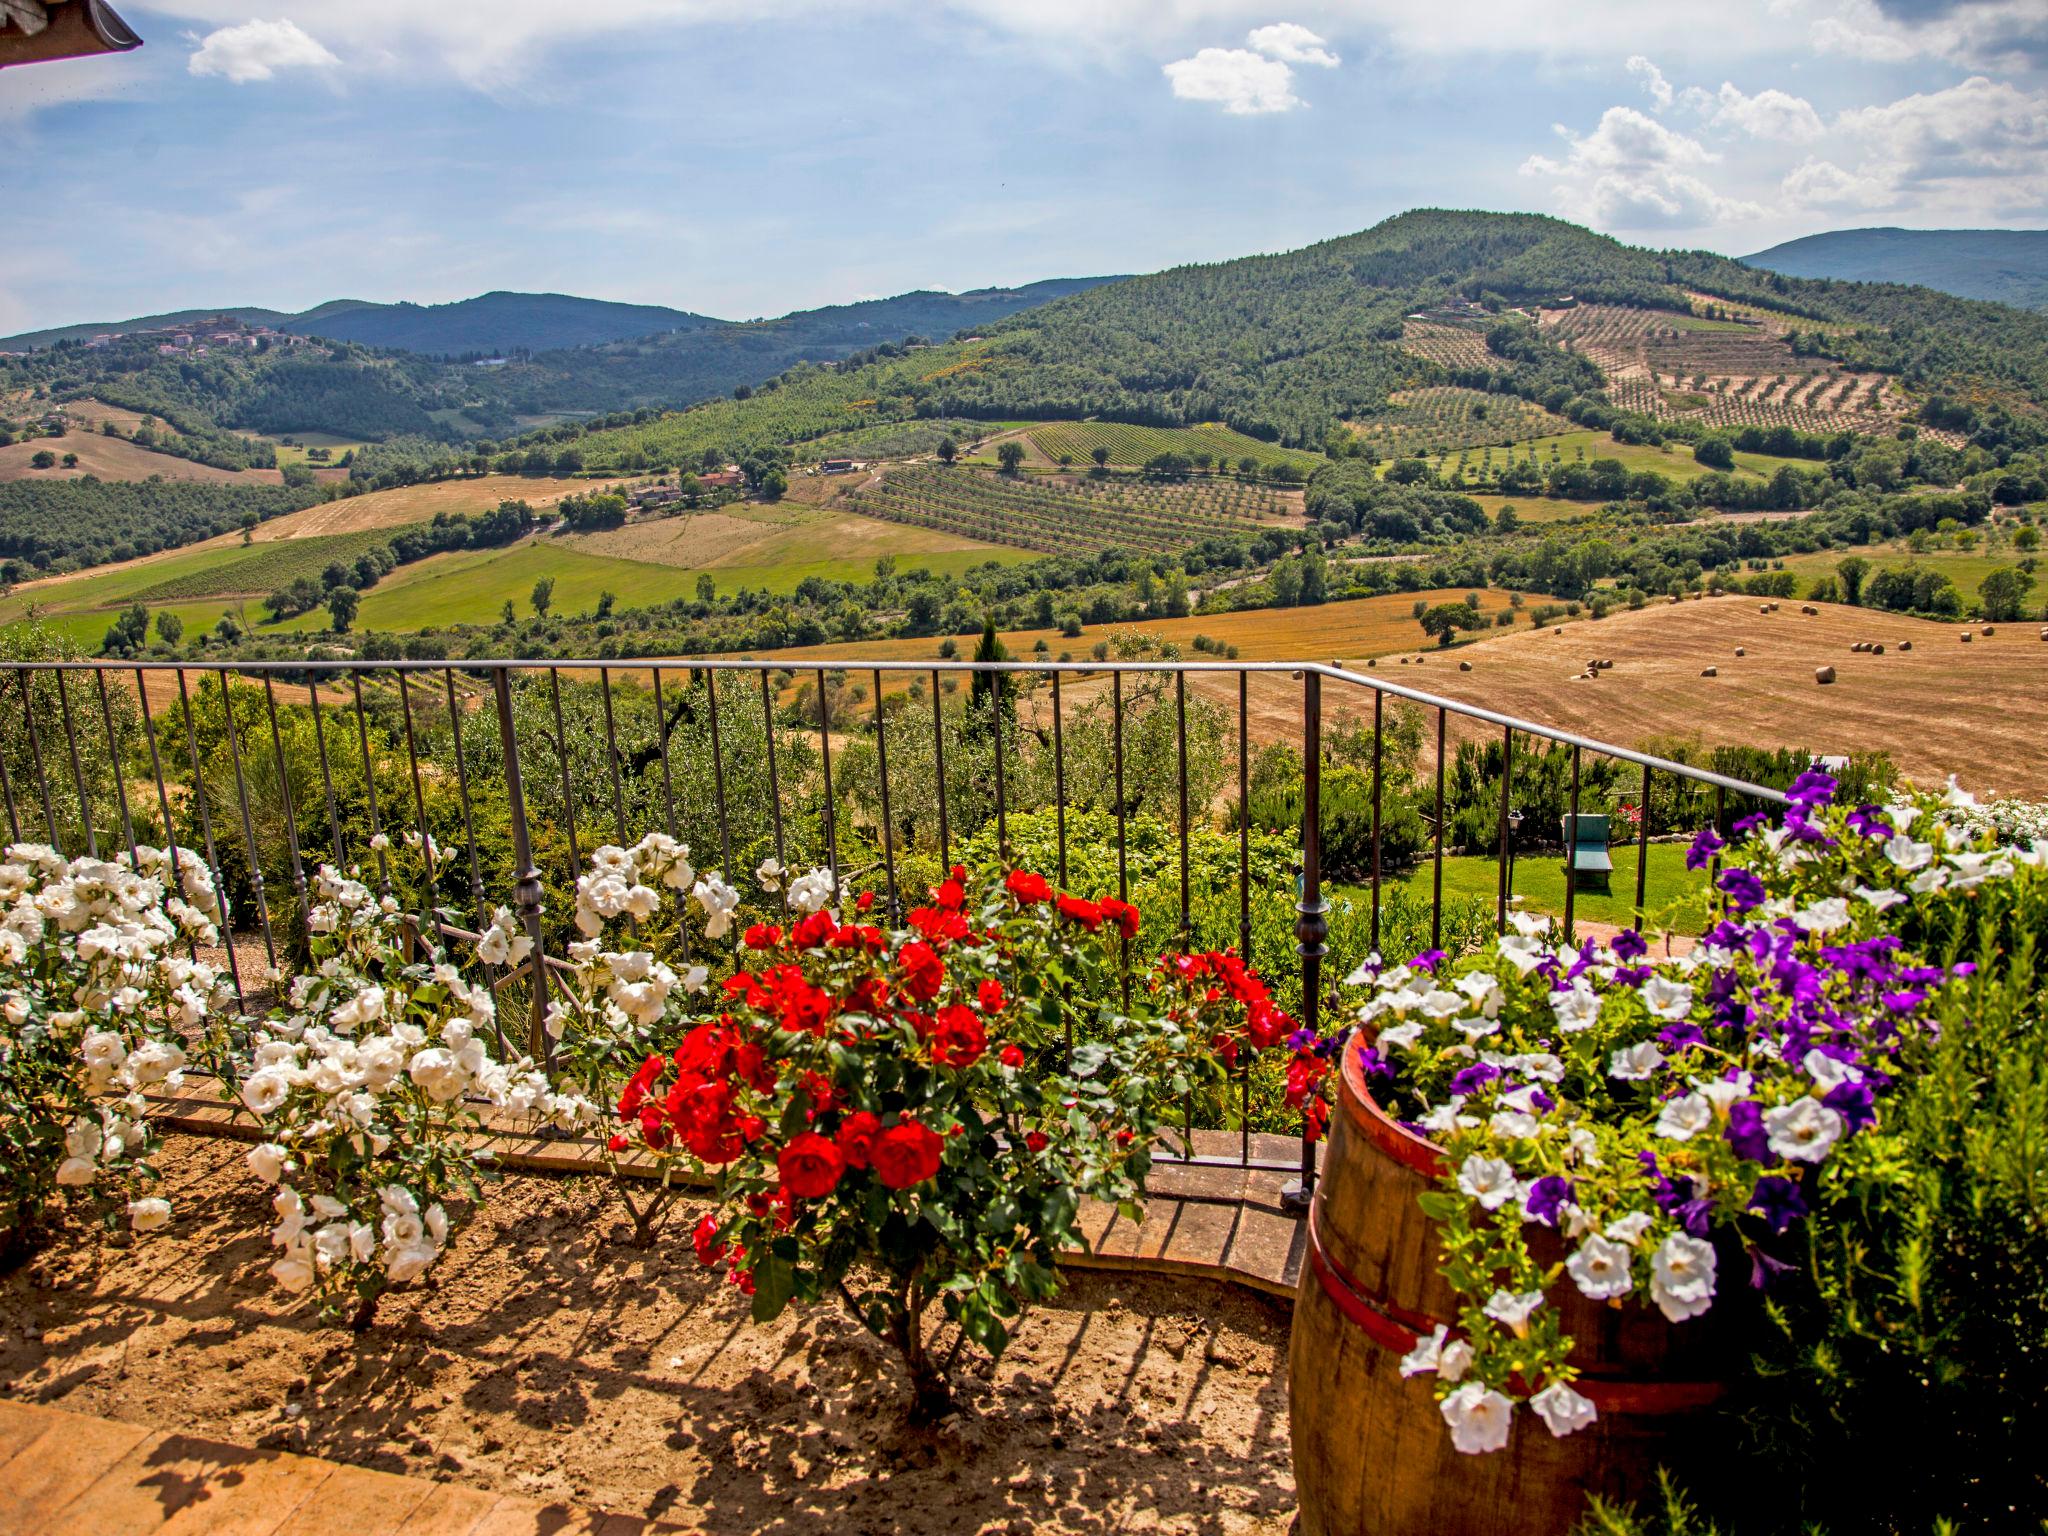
[[1823, 184], [1243, 83], [1976, 34], [1632, 172], [257, 50], [1292, 43], [1654, 83], [1250, 82], [1769, 114], [1979, 128]]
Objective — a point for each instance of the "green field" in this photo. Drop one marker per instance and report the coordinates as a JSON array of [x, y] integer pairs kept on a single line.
[[1674, 459], [1536, 509], [1673, 895], [1077, 440], [1967, 571]]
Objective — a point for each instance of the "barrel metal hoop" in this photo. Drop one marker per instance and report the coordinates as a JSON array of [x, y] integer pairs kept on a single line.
[[1398, 1330]]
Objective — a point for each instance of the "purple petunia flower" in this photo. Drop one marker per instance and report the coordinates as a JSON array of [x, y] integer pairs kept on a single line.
[[1428, 960], [1629, 945], [1545, 1196], [1473, 1078], [1854, 1102], [1778, 1201], [1746, 1132], [1376, 1066], [1868, 821], [1703, 849], [1763, 1269], [1742, 889], [1812, 788], [1749, 824]]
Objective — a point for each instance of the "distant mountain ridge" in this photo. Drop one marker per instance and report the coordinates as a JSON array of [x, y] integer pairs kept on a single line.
[[2007, 266], [502, 322]]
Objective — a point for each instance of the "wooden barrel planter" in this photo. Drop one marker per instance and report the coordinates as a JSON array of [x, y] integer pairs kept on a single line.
[[1372, 1454]]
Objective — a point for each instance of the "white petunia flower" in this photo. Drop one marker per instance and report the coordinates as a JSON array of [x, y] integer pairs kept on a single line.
[[1512, 1310], [1479, 1418], [1802, 1131], [1823, 916], [1600, 1268], [1635, 1063], [1905, 853], [1489, 1180], [1577, 1007], [1685, 1117], [1667, 999], [1682, 1276], [1426, 1353], [1563, 1411]]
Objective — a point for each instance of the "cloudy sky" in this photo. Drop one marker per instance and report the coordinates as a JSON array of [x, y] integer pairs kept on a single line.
[[748, 157]]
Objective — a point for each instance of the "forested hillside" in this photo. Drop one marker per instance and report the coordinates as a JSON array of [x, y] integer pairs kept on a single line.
[[59, 524], [493, 323]]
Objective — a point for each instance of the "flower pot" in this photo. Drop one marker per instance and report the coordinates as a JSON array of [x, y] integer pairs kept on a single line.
[[1372, 1454]]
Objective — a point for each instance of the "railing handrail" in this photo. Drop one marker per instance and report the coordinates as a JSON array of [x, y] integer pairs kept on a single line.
[[1293, 670]]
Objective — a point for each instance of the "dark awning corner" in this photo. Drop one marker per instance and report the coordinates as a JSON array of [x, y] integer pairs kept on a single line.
[[32, 31]]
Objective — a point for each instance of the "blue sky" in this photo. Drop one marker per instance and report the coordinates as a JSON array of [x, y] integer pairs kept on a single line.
[[744, 159]]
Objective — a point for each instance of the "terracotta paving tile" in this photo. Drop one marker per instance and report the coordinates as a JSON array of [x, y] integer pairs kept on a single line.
[[357, 1501], [19, 1424], [449, 1509], [242, 1493], [522, 1517], [69, 1456]]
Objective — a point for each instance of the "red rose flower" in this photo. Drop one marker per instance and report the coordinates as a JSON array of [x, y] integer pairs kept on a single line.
[[1027, 887], [938, 926], [813, 929], [957, 1038], [864, 901], [810, 1166], [857, 1133], [1013, 1056], [1036, 1141], [1086, 913], [636, 1091], [761, 936], [1122, 914], [923, 971], [907, 1153], [709, 1245], [989, 993], [949, 895]]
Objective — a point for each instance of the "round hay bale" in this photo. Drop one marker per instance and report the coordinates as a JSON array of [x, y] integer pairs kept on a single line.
[[1808, 609], [1763, 607], [1966, 637], [1987, 631], [1740, 651], [1372, 661], [1420, 660], [1464, 666], [1710, 672], [1559, 630], [1404, 661], [1877, 649], [1907, 645], [1859, 647], [1774, 607], [1823, 675]]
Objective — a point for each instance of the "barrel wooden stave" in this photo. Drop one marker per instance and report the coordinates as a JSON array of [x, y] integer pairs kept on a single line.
[[1372, 1454]]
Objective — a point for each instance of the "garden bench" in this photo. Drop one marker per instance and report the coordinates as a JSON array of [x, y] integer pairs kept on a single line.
[[1586, 853]]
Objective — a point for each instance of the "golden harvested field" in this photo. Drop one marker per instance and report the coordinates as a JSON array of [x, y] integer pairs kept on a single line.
[[1979, 710], [114, 458], [764, 534], [407, 504]]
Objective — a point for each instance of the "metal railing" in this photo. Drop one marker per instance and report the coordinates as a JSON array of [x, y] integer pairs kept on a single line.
[[269, 767]]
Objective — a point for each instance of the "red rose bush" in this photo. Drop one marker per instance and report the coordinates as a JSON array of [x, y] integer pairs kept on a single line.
[[893, 1116]]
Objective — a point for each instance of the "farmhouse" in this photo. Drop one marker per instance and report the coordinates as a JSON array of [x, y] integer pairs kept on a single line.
[[840, 466]]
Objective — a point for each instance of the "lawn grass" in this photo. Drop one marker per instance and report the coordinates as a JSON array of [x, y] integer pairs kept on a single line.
[[1674, 896]]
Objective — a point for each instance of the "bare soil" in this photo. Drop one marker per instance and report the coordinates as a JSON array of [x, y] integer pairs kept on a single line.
[[549, 1359]]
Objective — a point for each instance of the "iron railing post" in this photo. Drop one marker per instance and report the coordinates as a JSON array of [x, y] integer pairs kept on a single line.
[[1311, 925], [526, 889]]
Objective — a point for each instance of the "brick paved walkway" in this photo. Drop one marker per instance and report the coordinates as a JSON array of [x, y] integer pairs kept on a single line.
[[64, 1474]]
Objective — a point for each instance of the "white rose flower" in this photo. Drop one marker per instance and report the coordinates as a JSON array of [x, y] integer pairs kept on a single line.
[[1563, 1411], [268, 1161], [1682, 1276], [76, 1171], [264, 1091], [1600, 1269], [1802, 1131], [1479, 1418], [148, 1214], [439, 1074], [769, 874]]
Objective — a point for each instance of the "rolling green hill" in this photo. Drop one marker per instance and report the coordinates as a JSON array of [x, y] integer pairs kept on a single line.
[[2008, 266]]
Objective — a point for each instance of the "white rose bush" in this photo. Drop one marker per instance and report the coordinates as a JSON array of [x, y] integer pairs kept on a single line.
[[371, 1091], [101, 1003], [1665, 1123]]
